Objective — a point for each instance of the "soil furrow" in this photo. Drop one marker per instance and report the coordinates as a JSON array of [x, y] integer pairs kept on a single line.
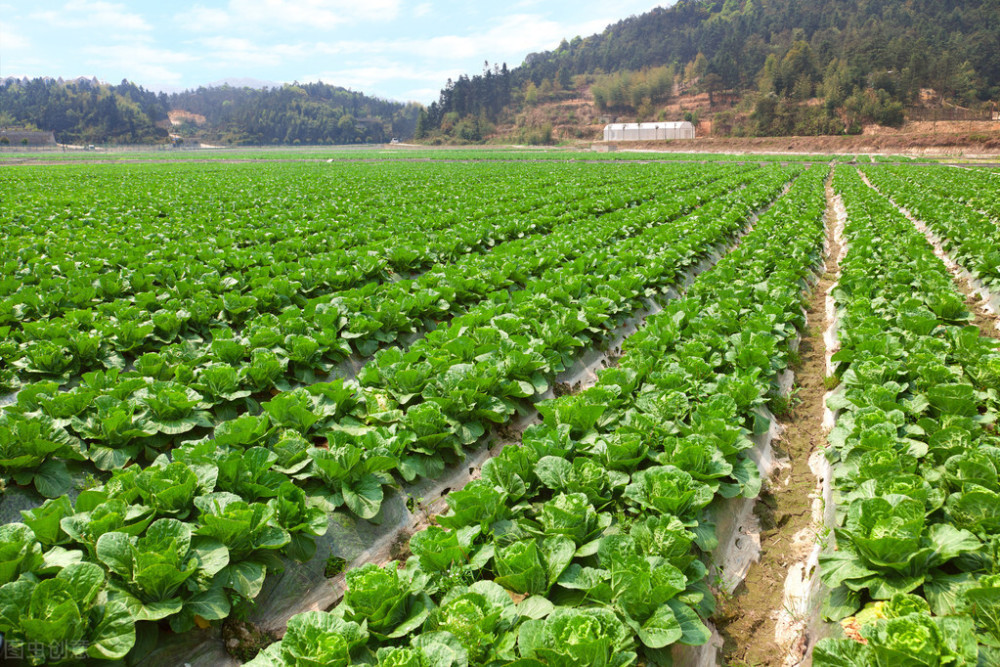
[[756, 622], [275, 605]]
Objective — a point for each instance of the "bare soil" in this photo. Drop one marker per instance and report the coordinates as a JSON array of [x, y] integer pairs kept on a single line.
[[986, 322], [985, 143], [574, 118], [244, 640], [178, 116], [747, 620]]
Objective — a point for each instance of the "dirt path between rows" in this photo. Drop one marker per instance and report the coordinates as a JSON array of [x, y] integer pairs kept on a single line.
[[275, 606], [749, 619], [984, 144]]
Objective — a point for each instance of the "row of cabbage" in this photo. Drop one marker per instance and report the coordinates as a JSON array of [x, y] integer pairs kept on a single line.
[[969, 235], [84, 290], [188, 538], [308, 340], [114, 418], [300, 212], [973, 187], [915, 570], [587, 544]]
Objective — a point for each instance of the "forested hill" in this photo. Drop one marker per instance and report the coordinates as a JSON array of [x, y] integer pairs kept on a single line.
[[308, 113], [87, 111], [84, 110], [864, 60]]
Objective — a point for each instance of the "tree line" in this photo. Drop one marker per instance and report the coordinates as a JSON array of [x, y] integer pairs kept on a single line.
[[90, 112], [307, 113], [85, 111]]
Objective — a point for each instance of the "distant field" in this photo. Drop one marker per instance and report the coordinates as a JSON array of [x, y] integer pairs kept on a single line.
[[385, 154]]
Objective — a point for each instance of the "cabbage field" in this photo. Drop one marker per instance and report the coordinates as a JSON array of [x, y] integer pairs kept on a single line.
[[488, 412]]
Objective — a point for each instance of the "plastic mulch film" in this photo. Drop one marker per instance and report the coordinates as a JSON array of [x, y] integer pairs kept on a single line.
[[305, 587]]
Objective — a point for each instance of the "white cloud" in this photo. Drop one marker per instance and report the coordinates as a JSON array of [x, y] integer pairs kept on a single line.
[[422, 95], [240, 51], [420, 65], [114, 18], [403, 49], [145, 65], [128, 53], [369, 78], [268, 15], [204, 18], [12, 41], [513, 36]]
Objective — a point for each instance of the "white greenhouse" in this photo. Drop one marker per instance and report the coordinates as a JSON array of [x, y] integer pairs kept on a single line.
[[648, 131]]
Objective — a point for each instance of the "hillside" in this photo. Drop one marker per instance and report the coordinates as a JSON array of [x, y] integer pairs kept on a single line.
[[751, 68], [85, 111], [308, 113]]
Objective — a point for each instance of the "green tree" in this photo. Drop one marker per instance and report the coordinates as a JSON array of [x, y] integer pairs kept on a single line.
[[798, 63], [661, 83], [836, 82], [769, 80], [531, 94], [564, 78], [600, 95], [803, 88], [712, 83], [696, 68], [421, 131], [346, 126]]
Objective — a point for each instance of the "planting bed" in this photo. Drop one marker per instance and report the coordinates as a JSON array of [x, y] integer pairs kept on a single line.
[[496, 413]]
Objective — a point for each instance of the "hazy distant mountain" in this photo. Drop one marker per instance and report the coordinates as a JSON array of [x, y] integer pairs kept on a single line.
[[232, 82], [243, 82]]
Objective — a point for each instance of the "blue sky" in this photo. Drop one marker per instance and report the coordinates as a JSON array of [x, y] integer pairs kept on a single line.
[[393, 48]]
